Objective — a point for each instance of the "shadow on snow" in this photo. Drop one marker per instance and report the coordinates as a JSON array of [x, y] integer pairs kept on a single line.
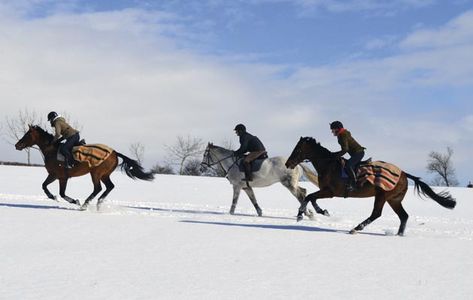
[[204, 212], [279, 227], [34, 206]]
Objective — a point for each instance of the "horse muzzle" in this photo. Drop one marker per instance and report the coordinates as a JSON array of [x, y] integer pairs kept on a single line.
[[20, 146], [290, 164]]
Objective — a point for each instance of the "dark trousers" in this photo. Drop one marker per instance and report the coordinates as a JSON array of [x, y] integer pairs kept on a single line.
[[352, 162], [66, 148]]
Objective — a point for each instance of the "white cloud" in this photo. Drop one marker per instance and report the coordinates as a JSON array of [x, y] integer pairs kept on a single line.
[[457, 32], [123, 76]]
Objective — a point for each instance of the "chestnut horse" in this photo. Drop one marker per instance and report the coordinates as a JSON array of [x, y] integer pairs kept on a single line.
[[331, 184], [37, 136]]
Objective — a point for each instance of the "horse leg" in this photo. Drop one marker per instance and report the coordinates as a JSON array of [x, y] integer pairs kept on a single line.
[[325, 193], [299, 193], [402, 214], [97, 189], [62, 192], [396, 205], [46, 182], [379, 202], [251, 195], [109, 187], [236, 194]]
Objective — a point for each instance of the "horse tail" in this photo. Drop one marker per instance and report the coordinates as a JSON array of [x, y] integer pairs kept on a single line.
[[443, 198], [133, 169], [310, 175]]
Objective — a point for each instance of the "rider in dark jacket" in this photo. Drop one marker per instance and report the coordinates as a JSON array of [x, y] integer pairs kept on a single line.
[[349, 145], [253, 146]]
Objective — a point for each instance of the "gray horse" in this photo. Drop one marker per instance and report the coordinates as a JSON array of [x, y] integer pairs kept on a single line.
[[272, 170]]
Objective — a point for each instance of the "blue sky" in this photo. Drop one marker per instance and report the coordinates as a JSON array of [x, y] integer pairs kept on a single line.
[[395, 72]]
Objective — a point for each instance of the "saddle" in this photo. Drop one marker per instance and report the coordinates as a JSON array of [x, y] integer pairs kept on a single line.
[[255, 165], [344, 173], [61, 157]]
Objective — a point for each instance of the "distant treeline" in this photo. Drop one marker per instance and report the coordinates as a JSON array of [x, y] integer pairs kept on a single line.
[[14, 163]]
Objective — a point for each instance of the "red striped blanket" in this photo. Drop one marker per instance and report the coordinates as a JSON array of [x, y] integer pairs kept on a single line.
[[380, 174], [93, 154]]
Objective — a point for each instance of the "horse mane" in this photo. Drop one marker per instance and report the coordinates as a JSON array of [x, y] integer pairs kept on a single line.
[[44, 134], [321, 150], [222, 148]]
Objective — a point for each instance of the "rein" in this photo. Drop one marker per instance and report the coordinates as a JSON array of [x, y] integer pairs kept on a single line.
[[212, 163]]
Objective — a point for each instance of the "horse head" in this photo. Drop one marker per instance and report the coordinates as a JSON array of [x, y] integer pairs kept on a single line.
[[34, 136], [207, 159], [301, 152]]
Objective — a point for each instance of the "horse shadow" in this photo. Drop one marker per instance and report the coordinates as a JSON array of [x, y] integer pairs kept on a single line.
[[202, 212], [279, 227], [34, 206]]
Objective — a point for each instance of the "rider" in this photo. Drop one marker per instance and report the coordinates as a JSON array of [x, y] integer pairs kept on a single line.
[[253, 146], [349, 145], [64, 132]]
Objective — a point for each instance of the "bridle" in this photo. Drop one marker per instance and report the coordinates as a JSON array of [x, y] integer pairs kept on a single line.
[[210, 162]]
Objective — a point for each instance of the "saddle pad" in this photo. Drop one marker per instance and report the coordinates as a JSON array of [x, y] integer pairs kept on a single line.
[[380, 174], [255, 165], [93, 154]]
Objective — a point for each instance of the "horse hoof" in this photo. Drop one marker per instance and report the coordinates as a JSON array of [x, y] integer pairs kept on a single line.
[[353, 231], [232, 211], [299, 218], [83, 207], [325, 213]]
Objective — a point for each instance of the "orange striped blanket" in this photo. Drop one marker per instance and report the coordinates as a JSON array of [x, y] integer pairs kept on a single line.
[[380, 174], [93, 154]]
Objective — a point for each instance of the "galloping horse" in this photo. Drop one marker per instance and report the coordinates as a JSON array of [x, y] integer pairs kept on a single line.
[[37, 136], [272, 170], [332, 185]]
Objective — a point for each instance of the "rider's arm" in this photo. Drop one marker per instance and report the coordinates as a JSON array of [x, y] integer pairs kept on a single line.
[[244, 140], [58, 129], [343, 141]]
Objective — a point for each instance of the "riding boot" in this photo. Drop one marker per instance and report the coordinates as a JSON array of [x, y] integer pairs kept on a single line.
[[248, 173], [351, 186]]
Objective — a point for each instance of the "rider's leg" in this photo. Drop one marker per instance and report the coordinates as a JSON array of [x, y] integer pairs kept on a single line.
[[350, 168], [66, 148]]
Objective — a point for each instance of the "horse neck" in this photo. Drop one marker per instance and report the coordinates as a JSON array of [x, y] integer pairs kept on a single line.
[[225, 157], [47, 149], [322, 164]]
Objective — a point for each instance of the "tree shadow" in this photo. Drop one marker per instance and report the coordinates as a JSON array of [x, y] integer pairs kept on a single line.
[[34, 206]]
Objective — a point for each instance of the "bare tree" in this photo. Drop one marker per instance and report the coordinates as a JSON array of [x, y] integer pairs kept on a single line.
[[138, 151], [17, 126], [162, 169], [183, 149], [441, 165], [192, 167]]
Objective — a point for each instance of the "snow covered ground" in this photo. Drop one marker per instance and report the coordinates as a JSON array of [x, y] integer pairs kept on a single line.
[[174, 239]]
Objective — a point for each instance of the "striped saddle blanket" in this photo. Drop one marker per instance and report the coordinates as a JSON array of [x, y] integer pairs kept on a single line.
[[379, 173], [93, 154]]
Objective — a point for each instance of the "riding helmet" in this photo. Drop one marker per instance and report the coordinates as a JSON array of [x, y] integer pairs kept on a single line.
[[336, 125], [51, 116], [240, 127]]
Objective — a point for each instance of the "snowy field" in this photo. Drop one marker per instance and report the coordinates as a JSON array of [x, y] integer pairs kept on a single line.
[[174, 239]]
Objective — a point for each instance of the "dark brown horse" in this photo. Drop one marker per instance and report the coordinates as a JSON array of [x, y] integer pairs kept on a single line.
[[37, 136], [331, 184]]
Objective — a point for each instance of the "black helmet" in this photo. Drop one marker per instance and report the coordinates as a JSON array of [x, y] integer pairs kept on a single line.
[[51, 116], [240, 127], [336, 125]]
